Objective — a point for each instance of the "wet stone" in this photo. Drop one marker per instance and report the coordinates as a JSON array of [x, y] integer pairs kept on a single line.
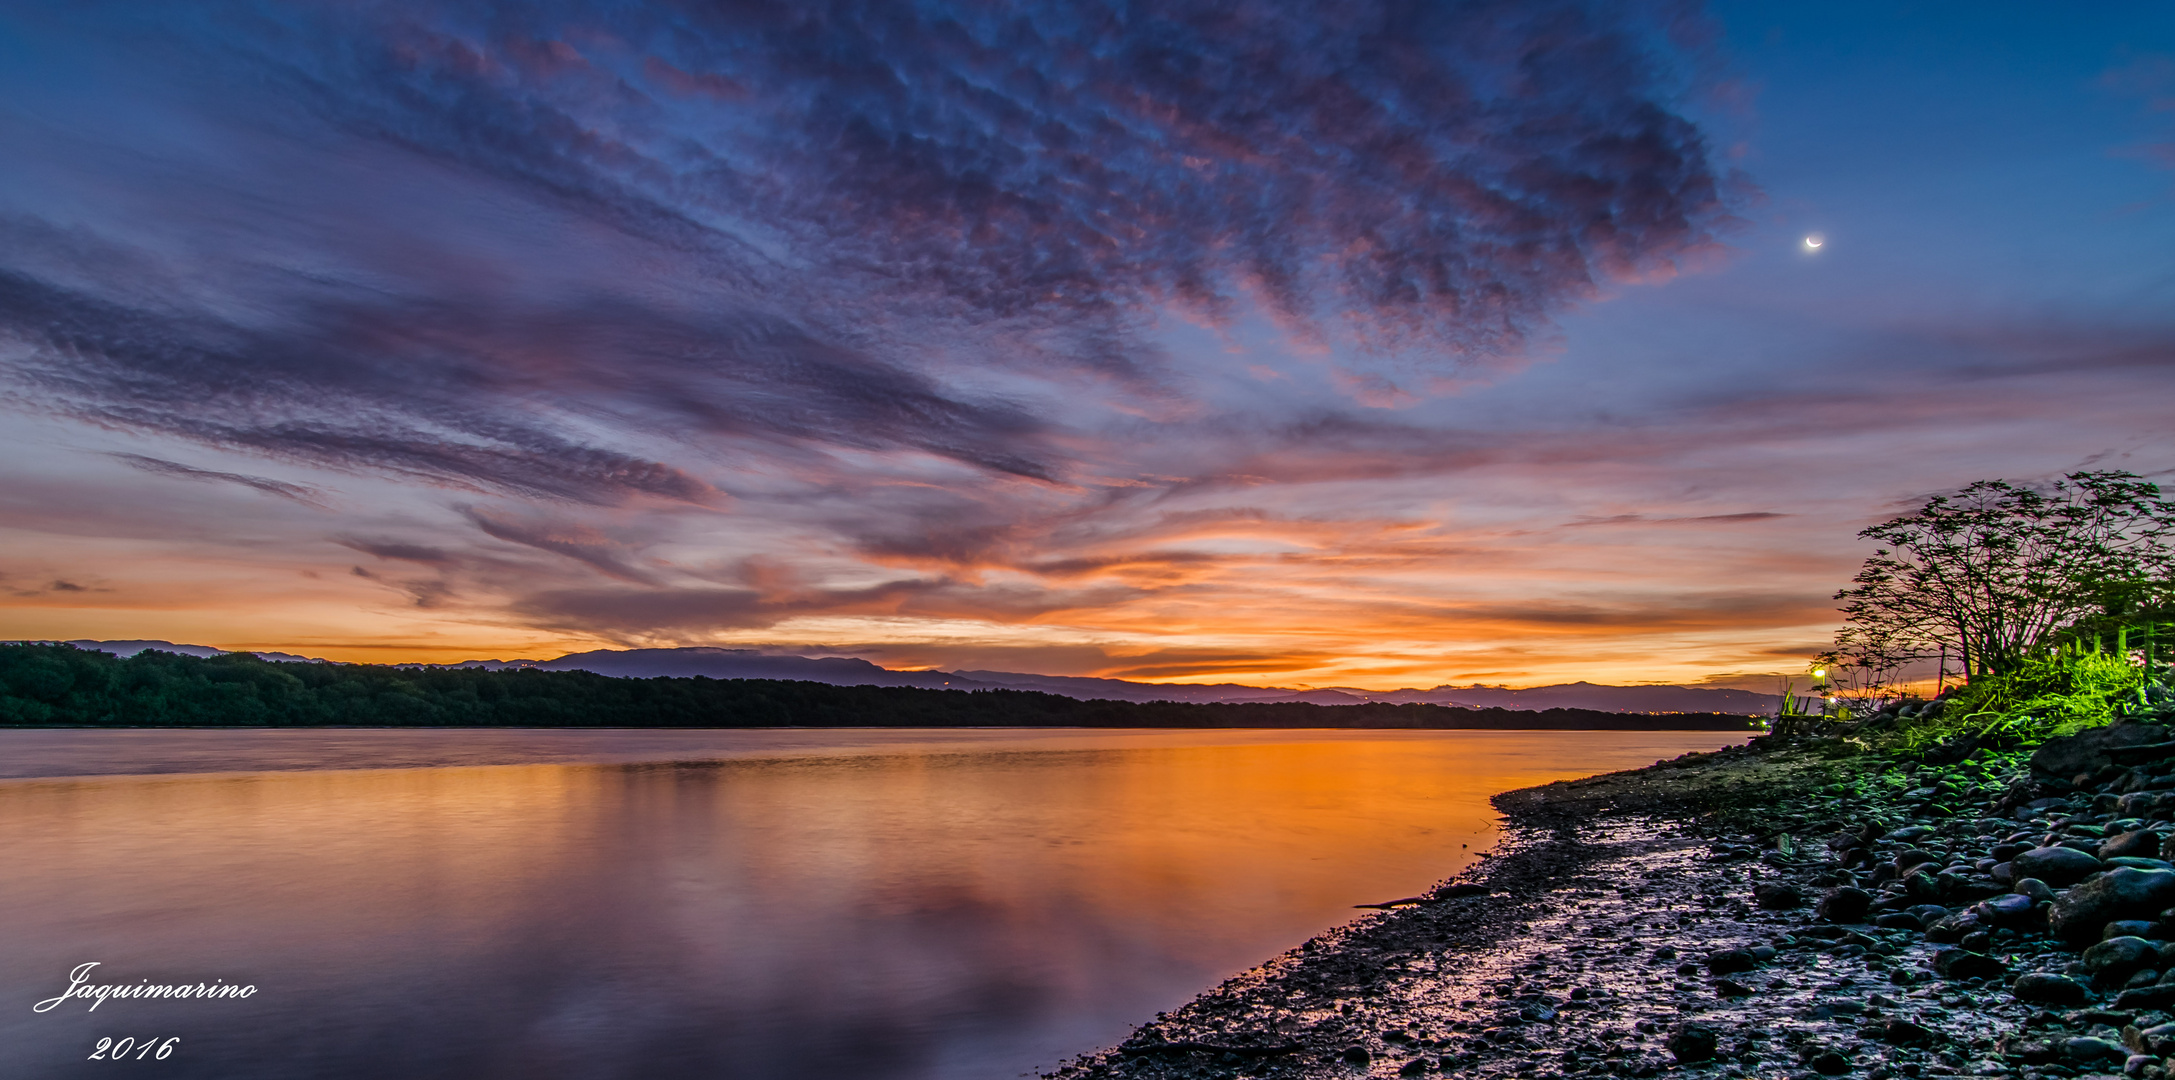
[[1847, 904], [2045, 988], [2059, 867]]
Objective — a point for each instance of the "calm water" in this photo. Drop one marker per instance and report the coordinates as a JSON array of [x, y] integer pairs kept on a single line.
[[792, 904]]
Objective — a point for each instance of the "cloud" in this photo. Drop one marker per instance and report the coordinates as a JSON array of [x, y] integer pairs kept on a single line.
[[395, 550], [301, 493], [580, 543], [1702, 519], [547, 252]]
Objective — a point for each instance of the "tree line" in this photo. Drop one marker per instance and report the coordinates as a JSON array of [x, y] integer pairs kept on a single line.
[[44, 684]]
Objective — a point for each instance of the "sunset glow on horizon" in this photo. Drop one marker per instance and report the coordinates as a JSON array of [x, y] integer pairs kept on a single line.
[[1370, 346]]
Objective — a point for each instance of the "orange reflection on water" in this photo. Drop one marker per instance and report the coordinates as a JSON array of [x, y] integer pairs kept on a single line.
[[940, 908]]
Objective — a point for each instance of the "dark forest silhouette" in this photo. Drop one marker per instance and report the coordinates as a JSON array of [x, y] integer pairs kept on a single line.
[[61, 685]]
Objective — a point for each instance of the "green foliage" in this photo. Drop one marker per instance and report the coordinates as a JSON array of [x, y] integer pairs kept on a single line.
[[62, 685], [2054, 693]]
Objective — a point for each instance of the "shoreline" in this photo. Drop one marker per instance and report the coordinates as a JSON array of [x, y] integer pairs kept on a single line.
[[1670, 921]]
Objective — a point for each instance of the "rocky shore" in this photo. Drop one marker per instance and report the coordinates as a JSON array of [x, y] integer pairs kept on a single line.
[[1784, 909]]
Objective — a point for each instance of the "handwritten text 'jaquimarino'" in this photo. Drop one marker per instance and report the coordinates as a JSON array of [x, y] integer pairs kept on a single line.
[[80, 987]]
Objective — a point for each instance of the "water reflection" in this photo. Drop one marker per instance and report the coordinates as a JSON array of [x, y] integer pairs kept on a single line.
[[935, 908]]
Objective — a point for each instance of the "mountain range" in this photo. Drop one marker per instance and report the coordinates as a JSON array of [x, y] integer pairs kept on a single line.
[[848, 671]]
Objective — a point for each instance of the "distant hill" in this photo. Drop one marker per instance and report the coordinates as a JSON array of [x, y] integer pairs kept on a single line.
[[718, 663]]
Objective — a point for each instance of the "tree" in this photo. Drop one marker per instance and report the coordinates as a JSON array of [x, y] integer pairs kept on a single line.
[[1993, 570]]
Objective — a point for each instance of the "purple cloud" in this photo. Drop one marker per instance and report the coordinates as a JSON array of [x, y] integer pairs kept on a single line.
[[545, 250]]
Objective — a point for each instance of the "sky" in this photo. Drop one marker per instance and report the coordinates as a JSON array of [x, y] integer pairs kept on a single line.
[[1365, 344]]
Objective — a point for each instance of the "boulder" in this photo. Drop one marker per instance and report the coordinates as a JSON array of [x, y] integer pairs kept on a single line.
[[1781, 896], [1692, 1043], [1965, 964], [2084, 1049], [1904, 1032], [1844, 905], [1951, 930], [2059, 867], [2158, 1040], [2157, 998], [1730, 961], [2140, 843], [1910, 857], [2006, 910], [2118, 957], [2089, 751], [2137, 803], [2080, 915], [2046, 988]]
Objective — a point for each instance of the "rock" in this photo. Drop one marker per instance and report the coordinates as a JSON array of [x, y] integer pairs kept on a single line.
[[1828, 1063], [1781, 896], [2085, 1049], [2142, 843], [1730, 961], [1358, 1057], [2033, 887], [2117, 957], [2033, 1051], [1692, 1043], [2138, 862], [2159, 1040], [2088, 751], [1847, 904], [1953, 929], [1904, 920], [2059, 867], [1928, 914], [1965, 964], [2122, 893], [1910, 857], [2129, 928], [1903, 1032], [1731, 988], [2006, 910], [2146, 997], [2045, 988]]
